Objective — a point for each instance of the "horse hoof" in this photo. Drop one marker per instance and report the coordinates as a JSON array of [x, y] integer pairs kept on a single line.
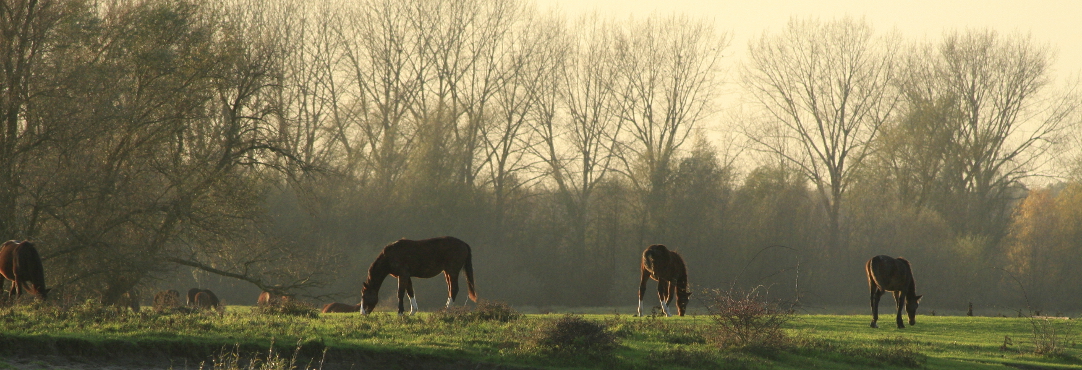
[[875, 326], [900, 326]]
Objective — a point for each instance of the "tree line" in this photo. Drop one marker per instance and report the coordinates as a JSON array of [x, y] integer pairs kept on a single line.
[[279, 144]]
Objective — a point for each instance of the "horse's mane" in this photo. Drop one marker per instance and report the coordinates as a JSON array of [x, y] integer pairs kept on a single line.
[[381, 259]]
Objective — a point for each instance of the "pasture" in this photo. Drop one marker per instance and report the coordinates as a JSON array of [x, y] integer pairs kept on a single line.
[[89, 333]]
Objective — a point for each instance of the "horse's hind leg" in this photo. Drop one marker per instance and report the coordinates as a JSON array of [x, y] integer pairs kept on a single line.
[[452, 287], [663, 295], [405, 288], [876, 295], [413, 299], [899, 298]]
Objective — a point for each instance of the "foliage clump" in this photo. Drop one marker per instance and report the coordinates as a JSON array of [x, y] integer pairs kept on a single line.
[[746, 319], [574, 334], [485, 311], [232, 359], [896, 351], [288, 307]]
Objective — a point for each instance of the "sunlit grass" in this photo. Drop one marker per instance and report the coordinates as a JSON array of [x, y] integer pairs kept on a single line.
[[822, 341]]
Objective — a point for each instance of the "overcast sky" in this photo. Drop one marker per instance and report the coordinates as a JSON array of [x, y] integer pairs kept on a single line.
[[1057, 22]]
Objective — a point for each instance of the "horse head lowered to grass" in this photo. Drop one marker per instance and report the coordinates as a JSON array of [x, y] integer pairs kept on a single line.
[[406, 259], [667, 267]]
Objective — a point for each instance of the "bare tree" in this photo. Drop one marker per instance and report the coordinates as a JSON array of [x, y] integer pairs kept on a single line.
[[826, 89], [1009, 118], [669, 75], [580, 152]]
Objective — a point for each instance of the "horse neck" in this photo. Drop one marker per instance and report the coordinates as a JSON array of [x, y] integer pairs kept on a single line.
[[376, 274]]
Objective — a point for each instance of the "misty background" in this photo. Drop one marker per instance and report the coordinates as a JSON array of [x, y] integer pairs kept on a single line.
[[249, 145]]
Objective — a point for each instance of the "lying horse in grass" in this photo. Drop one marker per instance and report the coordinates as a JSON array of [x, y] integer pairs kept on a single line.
[[406, 259], [338, 307], [667, 267], [20, 263], [895, 275]]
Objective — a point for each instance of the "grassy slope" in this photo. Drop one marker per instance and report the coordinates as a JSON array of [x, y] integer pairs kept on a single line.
[[828, 341]]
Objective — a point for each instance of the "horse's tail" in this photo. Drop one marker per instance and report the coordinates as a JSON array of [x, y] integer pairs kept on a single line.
[[469, 273]]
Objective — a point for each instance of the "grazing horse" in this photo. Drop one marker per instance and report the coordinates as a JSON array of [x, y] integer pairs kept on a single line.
[[667, 267], [193, 297], [895, 275], [405, 259], [205, 301], [20, 263], [338, 307]]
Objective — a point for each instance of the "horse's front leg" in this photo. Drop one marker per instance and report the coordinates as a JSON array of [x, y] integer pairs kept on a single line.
[[644, 275], [403, 282], [900, 299], [663, 296], [413, 298]]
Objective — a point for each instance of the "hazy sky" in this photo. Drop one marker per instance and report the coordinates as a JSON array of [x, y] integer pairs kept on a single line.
[[1057, 22]]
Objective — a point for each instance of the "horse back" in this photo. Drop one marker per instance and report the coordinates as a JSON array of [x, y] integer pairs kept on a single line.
[[663, 264], [426, 258], [890, 274], [21, 262]]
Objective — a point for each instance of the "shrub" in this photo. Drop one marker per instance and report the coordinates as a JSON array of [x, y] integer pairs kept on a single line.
[[897, 351], [747, 319], [231, 359], [1050, 336], [574, 334], [485, 311], [291, 307], [683, 357]]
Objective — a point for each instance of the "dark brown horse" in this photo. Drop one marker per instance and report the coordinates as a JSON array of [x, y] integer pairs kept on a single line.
[[193, 297], [895, 275], [667, 267], [205, 301], [406, 259], [20, 263], [338, 307]]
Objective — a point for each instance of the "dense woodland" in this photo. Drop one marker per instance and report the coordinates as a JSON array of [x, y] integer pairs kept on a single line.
[[249, 145]]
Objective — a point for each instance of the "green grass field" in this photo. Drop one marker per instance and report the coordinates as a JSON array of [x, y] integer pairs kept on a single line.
[[101, 335]]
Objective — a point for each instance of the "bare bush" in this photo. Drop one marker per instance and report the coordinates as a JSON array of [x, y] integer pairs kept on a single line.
[[291, 307], [748, 318], [485, 311], [574, 334]]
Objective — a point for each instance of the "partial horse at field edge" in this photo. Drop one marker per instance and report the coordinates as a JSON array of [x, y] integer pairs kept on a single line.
[[21, 263]]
